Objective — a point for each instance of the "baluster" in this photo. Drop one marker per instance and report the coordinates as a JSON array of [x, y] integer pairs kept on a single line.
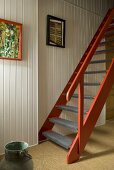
[[80, 111]]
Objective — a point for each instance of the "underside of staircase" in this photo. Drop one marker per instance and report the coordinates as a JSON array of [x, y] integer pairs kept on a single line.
[[86, 118]]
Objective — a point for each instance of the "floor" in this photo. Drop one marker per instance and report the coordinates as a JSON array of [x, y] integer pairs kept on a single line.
[[98, 154]]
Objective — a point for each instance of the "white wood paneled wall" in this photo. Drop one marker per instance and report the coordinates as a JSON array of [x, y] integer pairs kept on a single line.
[[55, 64], [19, 79], [96, 6]]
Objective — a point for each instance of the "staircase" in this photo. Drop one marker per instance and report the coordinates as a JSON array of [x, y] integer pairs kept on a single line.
[[87, 118]]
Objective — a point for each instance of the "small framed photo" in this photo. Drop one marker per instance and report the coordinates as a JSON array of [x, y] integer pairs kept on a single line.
[[55, 31], [10, 40]]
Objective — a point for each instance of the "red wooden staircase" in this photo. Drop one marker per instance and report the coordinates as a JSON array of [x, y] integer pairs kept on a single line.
[[86, 118]]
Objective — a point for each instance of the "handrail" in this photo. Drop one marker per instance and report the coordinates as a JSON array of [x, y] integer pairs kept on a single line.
[[86, 58]]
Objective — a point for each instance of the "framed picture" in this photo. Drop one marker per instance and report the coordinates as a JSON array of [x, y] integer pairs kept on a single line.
[[55, 31], [10, 40]]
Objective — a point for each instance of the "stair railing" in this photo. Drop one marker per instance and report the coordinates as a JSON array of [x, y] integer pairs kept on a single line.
[[79, 142], [83, 64]]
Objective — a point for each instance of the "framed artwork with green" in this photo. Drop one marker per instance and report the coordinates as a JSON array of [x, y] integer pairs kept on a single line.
[[10, 40]]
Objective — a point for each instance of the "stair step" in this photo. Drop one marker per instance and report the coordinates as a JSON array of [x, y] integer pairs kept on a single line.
[[105, 42], [111, 27], [95, 72], [69, 108], [91, 84], [103, 51], [63, 122], [112, 22], [109, 33], [100, 61], [59, 139], [86, 84], [85, 96]]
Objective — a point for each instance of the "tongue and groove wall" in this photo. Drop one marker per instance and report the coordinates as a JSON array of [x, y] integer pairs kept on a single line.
[[56, 64], [19, 79]]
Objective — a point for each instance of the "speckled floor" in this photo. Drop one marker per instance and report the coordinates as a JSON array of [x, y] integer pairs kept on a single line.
[[98, 154]]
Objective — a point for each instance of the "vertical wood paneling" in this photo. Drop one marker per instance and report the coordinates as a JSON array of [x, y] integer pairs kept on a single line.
[[99, 7], [12, 82], [55, 64], [30, 77], [26, 39], [18, 94], [35, 74], [2, 90], [7, 83], [19, 79]]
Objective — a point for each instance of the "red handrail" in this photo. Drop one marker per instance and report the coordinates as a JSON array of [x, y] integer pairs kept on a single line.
[[90, 52]]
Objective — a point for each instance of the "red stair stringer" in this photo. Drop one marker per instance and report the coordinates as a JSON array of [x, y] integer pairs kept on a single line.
[[92, 115]]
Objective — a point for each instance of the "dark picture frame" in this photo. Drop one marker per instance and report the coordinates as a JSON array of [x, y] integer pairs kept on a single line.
[[55, 31], [10, 40]]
